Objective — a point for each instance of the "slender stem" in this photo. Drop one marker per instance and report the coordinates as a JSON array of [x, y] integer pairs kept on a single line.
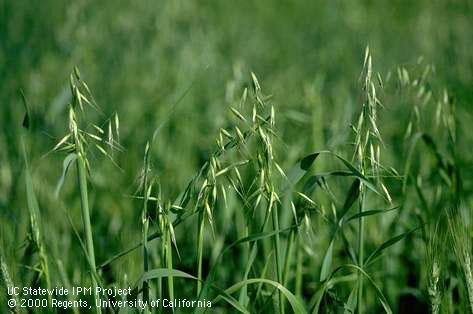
[[200, 250], [361, 257], [243, 298], [35, 216], [288, 259], [82, 181], [145, 262], [298, 283], [276, 243], [145, 222], [169, 265], [254, 247], [164, 237], [287, 262], [44, 266]]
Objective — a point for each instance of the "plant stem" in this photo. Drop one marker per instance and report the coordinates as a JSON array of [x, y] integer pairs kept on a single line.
[[145, 226], [277, 248], [361, 228], [243, 298], [200, 250], [82, 181], [298, 284], [35, 222], [254, 247], [287, 262], [44, 266], [169, 265]]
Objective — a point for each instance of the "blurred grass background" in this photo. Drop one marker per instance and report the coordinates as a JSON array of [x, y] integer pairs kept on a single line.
[[180, 64]]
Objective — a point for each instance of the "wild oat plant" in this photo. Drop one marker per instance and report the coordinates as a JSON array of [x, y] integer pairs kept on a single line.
[[252, 232]]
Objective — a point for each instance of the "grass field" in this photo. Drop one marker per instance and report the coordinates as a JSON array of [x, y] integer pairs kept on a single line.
[[255, 156]]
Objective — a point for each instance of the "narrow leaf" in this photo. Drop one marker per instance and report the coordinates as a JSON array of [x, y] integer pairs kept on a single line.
[[386, 245], [65, 166], [371, 212]]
